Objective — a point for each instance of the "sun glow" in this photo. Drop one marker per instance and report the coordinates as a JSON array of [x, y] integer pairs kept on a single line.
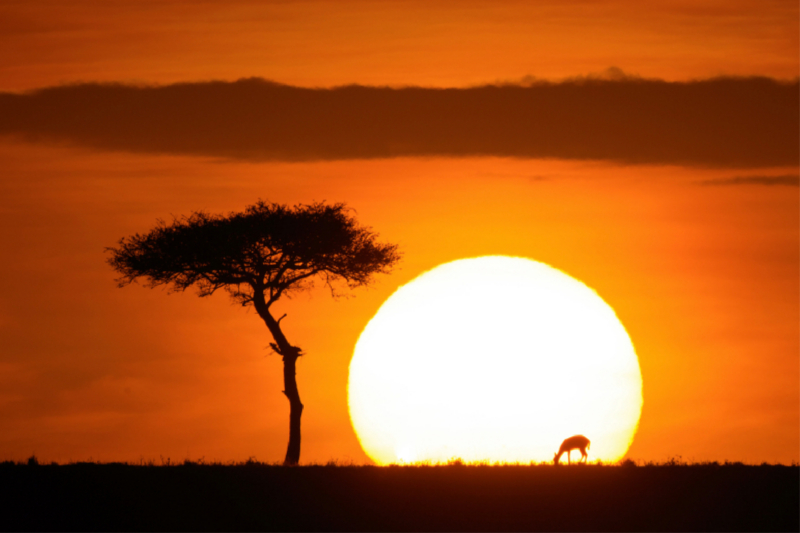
[[493, 359]]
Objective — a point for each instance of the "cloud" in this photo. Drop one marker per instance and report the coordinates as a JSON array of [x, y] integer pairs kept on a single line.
[[791, 180], [729, 122]]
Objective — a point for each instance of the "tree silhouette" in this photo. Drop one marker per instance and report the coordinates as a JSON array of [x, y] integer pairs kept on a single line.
[[268, 251]]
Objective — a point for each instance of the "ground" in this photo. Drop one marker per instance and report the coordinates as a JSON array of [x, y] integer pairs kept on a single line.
[[456, 497]]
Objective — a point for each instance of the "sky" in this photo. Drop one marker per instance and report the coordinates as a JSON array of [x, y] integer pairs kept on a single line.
[[649, 150]]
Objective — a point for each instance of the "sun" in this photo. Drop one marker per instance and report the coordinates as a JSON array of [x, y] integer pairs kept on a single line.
[[493, 359]]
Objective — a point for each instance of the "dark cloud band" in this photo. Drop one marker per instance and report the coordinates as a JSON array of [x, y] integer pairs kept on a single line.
[[736, 122], [784, 180]]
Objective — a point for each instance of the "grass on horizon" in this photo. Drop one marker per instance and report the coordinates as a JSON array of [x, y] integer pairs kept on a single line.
[[676, 461]]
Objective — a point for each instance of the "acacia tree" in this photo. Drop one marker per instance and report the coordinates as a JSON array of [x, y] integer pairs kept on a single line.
[[268, 251]]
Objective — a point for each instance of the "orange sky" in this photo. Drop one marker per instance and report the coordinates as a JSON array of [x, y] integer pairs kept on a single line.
[[700, 259], [430, 43]]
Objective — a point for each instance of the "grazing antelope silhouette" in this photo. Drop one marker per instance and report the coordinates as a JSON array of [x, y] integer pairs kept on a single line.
[[578, 442]]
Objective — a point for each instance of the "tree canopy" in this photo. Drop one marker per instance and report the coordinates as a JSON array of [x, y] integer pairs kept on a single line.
[[268, 249]]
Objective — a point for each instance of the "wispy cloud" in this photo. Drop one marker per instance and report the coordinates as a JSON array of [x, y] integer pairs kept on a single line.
[[791, 180], [733, 122]]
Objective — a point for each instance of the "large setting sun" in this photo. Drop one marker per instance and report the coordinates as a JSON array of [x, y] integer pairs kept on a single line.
[[493, 359]]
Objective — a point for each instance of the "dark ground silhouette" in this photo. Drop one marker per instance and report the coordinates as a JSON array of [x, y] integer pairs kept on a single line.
[[253, 496]]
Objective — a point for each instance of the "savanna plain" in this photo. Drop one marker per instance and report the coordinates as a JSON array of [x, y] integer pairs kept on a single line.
[[250, 496]]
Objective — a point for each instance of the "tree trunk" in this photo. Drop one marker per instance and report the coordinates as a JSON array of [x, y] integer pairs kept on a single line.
[[295, 410], [290, 354]]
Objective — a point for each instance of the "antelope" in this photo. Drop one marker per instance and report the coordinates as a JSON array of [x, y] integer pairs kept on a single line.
[[578, 442]]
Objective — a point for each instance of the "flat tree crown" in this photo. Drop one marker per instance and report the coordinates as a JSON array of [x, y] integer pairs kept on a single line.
[[257, 255]]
